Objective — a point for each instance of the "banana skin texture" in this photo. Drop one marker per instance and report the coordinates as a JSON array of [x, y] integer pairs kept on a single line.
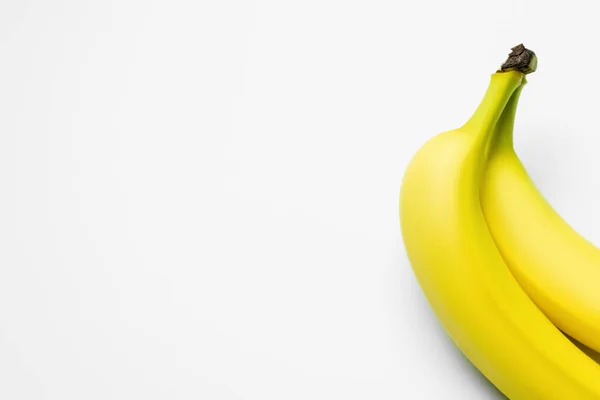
[[466, 281], [557, 267]]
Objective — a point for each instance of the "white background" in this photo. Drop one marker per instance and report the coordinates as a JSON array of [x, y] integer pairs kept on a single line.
[[198, 199]]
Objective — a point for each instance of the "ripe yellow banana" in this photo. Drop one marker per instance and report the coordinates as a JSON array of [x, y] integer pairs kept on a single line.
[[590, 353], [468, 285], [557, 268]]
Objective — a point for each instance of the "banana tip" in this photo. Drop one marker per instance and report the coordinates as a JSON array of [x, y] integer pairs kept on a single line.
[[520, 59]]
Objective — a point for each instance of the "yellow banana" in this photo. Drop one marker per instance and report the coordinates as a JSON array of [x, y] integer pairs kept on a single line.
[[471, 290], [590, 353], [557, 268]]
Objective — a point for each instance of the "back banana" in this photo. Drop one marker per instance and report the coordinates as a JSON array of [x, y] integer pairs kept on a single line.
[[557, 268]]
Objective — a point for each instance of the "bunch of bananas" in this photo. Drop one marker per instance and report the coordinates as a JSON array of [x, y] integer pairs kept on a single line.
[[514, 286]]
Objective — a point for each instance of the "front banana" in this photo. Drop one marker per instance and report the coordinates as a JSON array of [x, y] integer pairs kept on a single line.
[[558, 268], [468, 285]]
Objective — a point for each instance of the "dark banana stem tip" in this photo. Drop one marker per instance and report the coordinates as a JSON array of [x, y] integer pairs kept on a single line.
[[520, 59]]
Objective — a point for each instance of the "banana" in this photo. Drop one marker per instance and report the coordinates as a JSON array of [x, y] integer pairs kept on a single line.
[[471, 290], [557, 268], [589, 352]]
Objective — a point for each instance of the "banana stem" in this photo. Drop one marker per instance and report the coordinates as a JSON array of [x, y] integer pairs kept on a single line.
[[502, 137], [501, 87], [503, 84], [520, 59]]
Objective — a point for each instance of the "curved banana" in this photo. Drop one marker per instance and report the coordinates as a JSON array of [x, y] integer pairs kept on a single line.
[[589, 352], [557, 268], [471, 290]]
